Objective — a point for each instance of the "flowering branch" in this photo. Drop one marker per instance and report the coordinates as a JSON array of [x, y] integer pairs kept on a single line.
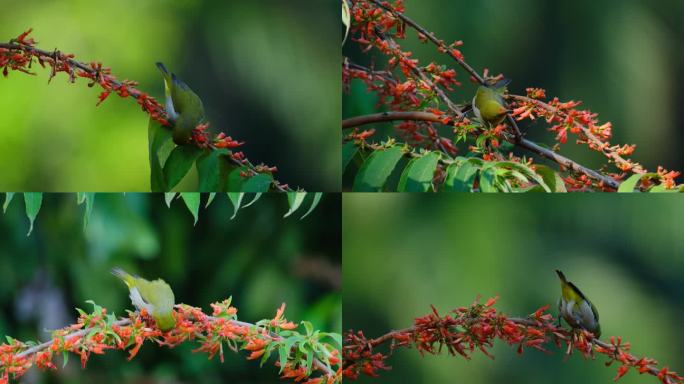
[[467, 329], [304, 357], [19, 54], [376, 24]]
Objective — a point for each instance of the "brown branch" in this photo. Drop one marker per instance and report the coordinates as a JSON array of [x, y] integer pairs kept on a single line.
[[524, 143]]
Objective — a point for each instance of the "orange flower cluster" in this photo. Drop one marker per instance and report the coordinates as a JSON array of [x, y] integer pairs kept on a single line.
[[96, 332], [467, 329]]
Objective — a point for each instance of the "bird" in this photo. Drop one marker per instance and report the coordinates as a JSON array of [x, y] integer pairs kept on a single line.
[[155, 297], [576, 309], [184, 108], [489, 105]]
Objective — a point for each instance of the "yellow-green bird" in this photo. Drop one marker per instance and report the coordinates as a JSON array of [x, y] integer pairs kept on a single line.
[[489, 105], [183, 106], [155, 297], [576, 309]]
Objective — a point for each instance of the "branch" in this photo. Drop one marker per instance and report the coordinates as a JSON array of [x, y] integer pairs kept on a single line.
[[467, 329], [99, 331], [19, 53]]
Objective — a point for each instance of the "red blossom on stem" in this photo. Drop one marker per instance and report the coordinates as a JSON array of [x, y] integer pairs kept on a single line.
[[99, 331], [20, 53], [466, 330]]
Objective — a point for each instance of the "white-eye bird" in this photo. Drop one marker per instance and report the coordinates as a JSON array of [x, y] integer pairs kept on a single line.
[[489, 105], [576, 309], [183, 106], [155, 297]]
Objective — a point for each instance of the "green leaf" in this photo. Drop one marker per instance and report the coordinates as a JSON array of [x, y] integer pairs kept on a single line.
[[418, 175], [8, 198], [295, 200], [630, 184], [551, 178], [179, 163], [213, 168], [89, 199], [160, 143], [33, 201], [487, 180], [254, 200], [374, 172], [210, 199], [235, 199], [192, 201], [314, 204], [65, 356], [460, 177], [283, 354], [308, 327], [235, 180], [349, 149], [258, 183], [168, 198]]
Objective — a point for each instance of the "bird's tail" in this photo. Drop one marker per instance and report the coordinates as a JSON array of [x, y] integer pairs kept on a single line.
[[123, 275], [561, 275]]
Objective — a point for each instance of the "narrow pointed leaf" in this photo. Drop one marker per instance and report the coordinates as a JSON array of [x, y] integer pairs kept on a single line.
[[254, 200], [235, 199], [314, 204], [210, 199], [8, 198], [33, 202], [192, 201], [168, 198], [295, 200]]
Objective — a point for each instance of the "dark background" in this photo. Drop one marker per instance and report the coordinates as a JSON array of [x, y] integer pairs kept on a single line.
[[622, 59], [404, 252], [267, 71], [260, 259]]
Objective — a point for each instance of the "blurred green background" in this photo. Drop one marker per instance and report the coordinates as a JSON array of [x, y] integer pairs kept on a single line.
[[267, 71], [404, 252], [623, 59], [259, 258]]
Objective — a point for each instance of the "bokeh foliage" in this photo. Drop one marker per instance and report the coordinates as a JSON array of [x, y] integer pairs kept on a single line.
[[267, 72], [403, 252], [259, 258]]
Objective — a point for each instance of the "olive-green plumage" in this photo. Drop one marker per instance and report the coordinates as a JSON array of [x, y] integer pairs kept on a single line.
[[489, 105], [183, 106], [576, 309], [156, 297]]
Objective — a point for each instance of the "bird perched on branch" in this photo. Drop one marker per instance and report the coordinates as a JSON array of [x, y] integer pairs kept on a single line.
[[183, 106], [489, 105], [576, 309], [155, 297]]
